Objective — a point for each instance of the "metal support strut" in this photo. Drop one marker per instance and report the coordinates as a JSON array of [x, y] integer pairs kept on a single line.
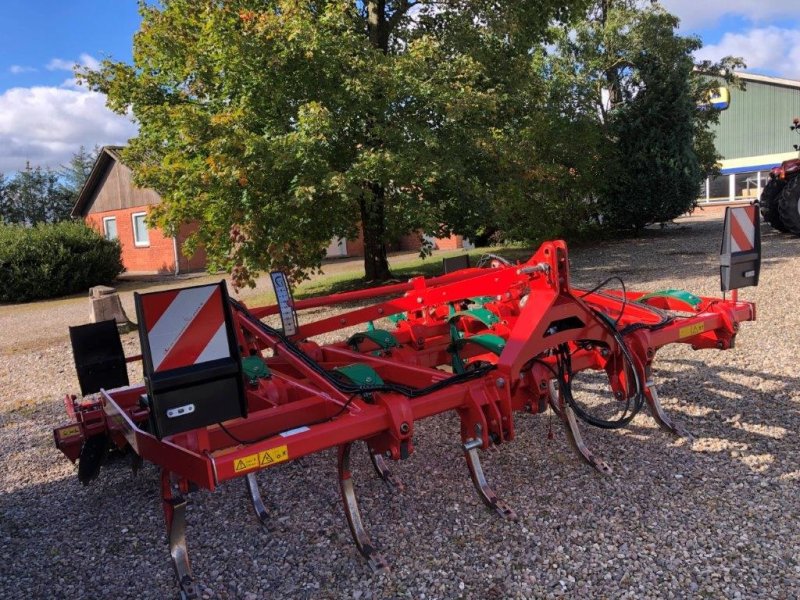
[[485, 491], [174, 505], [567, 415], [376, 562], [661, 417], [385, 473], [255, 498]]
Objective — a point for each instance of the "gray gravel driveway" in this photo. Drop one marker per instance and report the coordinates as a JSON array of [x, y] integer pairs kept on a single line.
[[716, 517]]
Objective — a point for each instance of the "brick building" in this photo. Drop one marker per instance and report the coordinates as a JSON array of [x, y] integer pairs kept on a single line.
[[111, 204]]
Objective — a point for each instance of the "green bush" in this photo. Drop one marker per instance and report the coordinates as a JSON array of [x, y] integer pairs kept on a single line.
[[52, 260]]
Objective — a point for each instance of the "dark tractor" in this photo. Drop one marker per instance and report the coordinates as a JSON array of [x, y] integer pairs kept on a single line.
[[780, 200]]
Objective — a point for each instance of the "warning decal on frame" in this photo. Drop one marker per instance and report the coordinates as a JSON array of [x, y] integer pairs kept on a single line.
[[689, 331], [68, 432], [262, 459]]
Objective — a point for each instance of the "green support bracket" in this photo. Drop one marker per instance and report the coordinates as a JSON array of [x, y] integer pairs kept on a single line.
[[680, 295], [484, 315], [481, 301], [255, 368], [397, 317], [360, 374], [382, 338], [489, 341]]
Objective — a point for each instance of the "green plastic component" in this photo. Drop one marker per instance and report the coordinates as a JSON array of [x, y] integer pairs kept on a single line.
[[680, 295], [396, 318], [255, 368], [482, 300], [380, 337], [485, 316], [493, 343], [360, 374], [489, 341]]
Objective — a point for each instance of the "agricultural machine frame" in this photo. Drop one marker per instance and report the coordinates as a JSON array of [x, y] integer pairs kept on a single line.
[[484, 342]]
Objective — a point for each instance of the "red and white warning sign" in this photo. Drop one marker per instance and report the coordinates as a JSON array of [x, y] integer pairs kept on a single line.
[[185, 327], [743, 228]]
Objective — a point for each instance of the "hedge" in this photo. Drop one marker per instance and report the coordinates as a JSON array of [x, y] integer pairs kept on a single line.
[[52, 260]]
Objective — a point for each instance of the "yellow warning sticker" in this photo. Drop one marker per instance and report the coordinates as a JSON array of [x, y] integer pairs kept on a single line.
[[262, 459], [68, 432], [690, 330]]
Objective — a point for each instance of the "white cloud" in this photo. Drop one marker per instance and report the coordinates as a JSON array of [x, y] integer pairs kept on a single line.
[[694, 13], [772, 49], [84, 60], [17, 69], [59, 64], [46, 125]]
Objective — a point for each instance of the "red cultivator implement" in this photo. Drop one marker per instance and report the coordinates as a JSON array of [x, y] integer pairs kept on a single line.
[[227, 396]]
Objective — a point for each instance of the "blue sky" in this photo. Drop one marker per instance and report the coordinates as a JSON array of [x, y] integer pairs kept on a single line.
[[45, 117]]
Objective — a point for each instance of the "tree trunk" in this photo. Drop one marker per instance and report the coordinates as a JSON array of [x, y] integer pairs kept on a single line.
[[373, 201], [373, 225]]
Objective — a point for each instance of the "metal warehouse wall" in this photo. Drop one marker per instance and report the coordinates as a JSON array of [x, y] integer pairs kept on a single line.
[[758, 121]]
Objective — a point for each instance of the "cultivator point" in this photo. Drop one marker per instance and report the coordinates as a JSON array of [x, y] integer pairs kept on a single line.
[[227, 396]]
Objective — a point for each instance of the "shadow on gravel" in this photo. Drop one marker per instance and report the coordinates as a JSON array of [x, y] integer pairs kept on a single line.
[[693, 248], [751, 411]]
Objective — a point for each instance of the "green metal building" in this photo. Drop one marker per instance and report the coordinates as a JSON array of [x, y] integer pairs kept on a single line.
[[753, 136]]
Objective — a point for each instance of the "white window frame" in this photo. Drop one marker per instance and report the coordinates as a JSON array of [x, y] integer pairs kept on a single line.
[[107, 220], [136, 242]]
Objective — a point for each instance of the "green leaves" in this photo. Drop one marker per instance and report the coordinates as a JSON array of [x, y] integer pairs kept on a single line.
[[279, 124], [627, 82], [33, 196], [50, 260]]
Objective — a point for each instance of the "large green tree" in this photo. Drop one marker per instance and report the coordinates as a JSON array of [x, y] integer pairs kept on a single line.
[[626, 72], [279, 124]]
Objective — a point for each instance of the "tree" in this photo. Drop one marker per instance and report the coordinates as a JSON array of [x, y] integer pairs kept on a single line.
[[281, 124], [5, 201], [626, 71], [34, 196], [74, 174]]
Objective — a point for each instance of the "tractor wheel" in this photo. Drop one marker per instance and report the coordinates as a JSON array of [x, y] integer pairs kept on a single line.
[[789, 206], [770, 198]]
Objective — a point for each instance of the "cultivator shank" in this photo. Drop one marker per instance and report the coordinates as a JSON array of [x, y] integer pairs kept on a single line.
[[484, 342]]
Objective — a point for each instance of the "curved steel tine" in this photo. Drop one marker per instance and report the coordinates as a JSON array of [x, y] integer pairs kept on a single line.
[[376, 562], [255, 498], [567, 415], [175, 514], [485, 491], [385, 473], [660, 416]]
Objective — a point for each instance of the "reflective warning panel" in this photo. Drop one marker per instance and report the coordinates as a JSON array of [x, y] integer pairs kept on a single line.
[[740, 256], [185, 327], [192, 366]]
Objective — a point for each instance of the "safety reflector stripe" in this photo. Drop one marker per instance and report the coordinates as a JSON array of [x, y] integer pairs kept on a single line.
[[187, 327], [156, 305], [743, 229], [216, 348]]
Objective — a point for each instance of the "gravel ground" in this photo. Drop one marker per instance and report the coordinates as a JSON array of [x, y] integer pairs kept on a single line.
[[716, 517]]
